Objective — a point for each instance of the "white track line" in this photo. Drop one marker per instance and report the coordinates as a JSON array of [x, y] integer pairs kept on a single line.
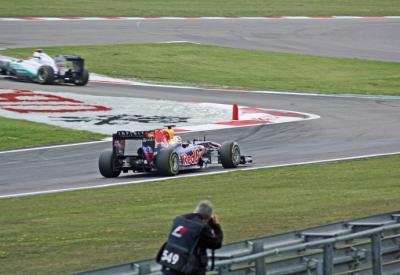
[[118, 18], [196, 175], [54, 146]]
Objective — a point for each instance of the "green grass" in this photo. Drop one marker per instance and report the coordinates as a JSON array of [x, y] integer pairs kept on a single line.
[[73, 231], [21, 133], [237, 68], [198, 7]]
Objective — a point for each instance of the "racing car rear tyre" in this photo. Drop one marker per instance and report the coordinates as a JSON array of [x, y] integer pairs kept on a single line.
[[45, 75], [107, 165], [167, 163], [230, 154], [83, 79]]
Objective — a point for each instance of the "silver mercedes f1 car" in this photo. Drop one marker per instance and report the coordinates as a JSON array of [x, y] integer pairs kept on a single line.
[[44, 69]]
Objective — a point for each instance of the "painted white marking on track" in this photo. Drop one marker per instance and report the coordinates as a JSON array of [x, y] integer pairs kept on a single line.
[[118, 18], [54, 146], [179, 42], [195, 175]]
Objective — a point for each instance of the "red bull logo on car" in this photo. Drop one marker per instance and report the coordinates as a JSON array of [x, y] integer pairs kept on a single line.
[[192, 157]]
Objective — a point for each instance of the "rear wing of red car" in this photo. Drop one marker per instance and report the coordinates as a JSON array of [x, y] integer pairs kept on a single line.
[[121, 148], [131, 135]]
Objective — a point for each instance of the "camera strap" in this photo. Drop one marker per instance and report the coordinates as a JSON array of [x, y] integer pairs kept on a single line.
[[212, 259]]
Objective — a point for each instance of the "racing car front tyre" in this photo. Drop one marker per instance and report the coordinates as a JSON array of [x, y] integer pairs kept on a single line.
[[230, 154], [45, 75], [3, 68], [82, 79], [107, 165], [167, 163]]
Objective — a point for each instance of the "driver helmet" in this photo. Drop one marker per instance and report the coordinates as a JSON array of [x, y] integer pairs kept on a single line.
[[170, 132], [178, 139], [37, 55]]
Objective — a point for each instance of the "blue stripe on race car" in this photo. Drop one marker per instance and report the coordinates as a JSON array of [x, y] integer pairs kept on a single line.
[[22, 71]]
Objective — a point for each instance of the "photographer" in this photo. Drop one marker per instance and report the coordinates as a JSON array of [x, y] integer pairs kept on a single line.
[[191, 235]]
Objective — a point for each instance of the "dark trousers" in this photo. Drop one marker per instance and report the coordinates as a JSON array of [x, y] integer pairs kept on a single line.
[[168, 271]]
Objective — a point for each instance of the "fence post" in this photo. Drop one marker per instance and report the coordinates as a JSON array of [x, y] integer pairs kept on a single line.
[[260, 262], [328, 259], [376, 252]]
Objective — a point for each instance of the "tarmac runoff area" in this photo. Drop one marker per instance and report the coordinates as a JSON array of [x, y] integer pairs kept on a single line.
[[107, 115]]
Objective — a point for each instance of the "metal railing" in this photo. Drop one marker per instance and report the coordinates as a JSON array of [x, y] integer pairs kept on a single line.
[[328, 245], [365, 246]]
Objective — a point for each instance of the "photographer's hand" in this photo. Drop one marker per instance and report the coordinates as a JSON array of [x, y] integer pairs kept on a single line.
[[215, 219]]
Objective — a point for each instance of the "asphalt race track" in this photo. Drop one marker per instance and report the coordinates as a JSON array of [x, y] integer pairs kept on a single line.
[[374, 38], [348, 127]]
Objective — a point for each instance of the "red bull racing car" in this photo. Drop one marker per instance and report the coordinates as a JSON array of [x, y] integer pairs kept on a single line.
[[160, 151]]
